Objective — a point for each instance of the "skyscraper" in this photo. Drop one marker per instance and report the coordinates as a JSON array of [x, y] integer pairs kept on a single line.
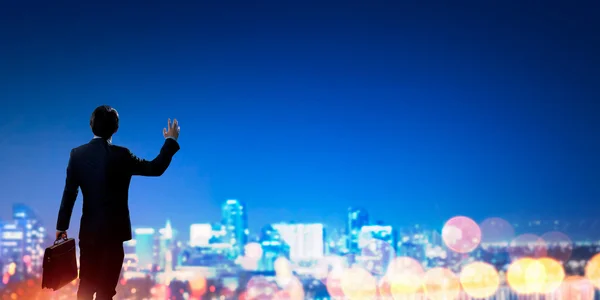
[[23, 241], [378, 232], [235, 221], [357, 218], [144, 247], [273, 247], [165, 260], [306, 241], [200, 234]]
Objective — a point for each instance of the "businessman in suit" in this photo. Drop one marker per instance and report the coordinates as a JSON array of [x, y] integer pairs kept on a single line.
[[103, 171]]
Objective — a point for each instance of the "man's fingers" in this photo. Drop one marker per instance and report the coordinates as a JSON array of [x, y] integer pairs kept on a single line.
[[175, 123], [165, 132], [169, 124]]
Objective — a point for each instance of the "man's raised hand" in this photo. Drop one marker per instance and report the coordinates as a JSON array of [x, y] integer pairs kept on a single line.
[[172, 130]]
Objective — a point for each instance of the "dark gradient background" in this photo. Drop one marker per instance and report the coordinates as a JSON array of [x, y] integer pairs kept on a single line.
[[417, 112]]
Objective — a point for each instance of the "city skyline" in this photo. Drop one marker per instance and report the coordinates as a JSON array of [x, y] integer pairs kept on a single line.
[[157, 259]]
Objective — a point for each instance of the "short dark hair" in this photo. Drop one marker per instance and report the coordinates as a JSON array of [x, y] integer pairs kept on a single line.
[[104, 121]]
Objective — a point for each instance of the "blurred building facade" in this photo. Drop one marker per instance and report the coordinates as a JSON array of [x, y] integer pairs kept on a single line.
[[22, 243], [357, 218], [306, 241], [235, 221]]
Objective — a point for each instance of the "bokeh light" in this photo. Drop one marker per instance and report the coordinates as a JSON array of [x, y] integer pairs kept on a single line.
[[527, 245], [555, 274], [253, 251], [404, 276], [334, 283], [592, 270], [377, 255], [479, 280], [577, 288], [260, 288], [441, 284], [496, 233], [283, 270], [358, 283], [12, 267], [293, 290], [198, 285], [461, 234], [559, 245], [526, 276]]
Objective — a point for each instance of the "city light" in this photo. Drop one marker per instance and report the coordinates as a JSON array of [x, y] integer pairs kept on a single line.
[[301, 261]]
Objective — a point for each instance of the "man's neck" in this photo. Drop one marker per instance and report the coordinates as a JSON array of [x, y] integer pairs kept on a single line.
[[109, 140]]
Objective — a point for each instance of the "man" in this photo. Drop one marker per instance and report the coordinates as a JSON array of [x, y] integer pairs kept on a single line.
[[104, 171]]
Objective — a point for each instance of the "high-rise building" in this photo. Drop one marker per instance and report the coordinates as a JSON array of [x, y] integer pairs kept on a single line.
[[306, 241], [235, 221], [13, 242], [357, 218], [273, 247], [378, 232], [23, 241], [200, 234], [144, 248], [165, 256]]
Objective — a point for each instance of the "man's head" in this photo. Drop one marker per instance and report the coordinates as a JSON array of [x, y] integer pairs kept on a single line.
[[104, 121]]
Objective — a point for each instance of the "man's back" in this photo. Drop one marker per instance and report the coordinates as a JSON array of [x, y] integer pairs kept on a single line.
[[103, 172]]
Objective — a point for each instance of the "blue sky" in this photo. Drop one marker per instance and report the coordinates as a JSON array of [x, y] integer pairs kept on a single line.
[[417, 112]]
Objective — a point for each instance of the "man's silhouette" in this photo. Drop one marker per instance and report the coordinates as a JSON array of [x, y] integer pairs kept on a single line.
[[103, 172]]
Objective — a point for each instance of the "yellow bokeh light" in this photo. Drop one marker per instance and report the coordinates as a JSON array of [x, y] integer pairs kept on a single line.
[[526, 276], [12, 267], [442, 284], [555, 274], [404, 276], [592, 270], [480, 280], [282, 267], [293, 290], [358, 283]]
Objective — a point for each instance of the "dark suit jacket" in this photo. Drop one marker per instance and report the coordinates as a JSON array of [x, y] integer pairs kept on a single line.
[[104, 171]]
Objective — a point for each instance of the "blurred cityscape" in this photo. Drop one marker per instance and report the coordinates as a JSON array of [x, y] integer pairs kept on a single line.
[[494, 259]]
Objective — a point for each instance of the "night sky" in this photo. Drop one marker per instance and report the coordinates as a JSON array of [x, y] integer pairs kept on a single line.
[[417, 112]]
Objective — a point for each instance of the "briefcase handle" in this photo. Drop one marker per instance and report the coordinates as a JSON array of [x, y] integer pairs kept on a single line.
[[60, 239]]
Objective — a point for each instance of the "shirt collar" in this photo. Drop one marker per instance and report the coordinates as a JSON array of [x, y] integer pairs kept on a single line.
[[109, 140]]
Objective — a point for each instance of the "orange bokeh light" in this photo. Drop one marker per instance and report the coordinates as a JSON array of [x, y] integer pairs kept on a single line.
[[577, 287], [198, 286], [592, 270], [526, 276], [479, 280], [555, 274], [404, 276], [441, 284], [358, 283]]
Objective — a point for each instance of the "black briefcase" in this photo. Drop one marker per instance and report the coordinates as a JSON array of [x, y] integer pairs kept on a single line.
[[60, 264]]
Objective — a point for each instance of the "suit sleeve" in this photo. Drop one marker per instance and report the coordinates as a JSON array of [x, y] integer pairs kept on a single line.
[[157, 166], [69, 196]]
